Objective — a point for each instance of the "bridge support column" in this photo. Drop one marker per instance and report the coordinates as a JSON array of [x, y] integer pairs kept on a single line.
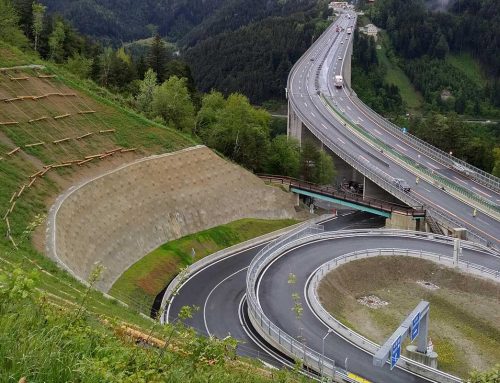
[[401, 221], [294, 125]]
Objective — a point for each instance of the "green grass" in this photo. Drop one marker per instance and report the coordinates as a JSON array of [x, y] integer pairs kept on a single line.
[[143, 281], [462, 310], [470, 67], [132, 130], [46, 342], [395, 75], [55, 329]]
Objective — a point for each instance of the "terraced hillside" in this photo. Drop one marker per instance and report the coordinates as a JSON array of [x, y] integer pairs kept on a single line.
[[56, 132]]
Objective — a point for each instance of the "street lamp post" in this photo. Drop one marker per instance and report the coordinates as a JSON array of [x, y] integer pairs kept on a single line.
[[323, 349]]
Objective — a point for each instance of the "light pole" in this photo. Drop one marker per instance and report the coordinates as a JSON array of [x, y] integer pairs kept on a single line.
[[323, 349]]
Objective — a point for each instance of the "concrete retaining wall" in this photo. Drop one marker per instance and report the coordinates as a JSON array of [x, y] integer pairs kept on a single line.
[[119, 217]]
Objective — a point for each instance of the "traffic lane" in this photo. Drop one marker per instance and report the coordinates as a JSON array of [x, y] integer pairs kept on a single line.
[[378, 130], [428, 194], [354, 112], [196, 289], [357, 114], [275, 296]]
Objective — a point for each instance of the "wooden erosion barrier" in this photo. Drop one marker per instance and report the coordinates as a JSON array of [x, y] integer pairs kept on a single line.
[[14, 151], [9, 123], [38, 119], [62, 116]]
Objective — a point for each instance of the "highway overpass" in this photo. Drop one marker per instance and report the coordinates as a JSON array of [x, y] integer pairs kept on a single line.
[[368, 148]]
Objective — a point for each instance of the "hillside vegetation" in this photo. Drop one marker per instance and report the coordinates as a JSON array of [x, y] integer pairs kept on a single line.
[[53, 328]]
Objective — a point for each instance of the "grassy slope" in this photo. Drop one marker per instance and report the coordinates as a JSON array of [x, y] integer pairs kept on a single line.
[[140, 284], [396, 76], [470, 67], [462, 318], [132, 130], [75, 334]]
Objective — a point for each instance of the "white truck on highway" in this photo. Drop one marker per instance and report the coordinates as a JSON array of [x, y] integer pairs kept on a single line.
[[349, 30], [338, 81]]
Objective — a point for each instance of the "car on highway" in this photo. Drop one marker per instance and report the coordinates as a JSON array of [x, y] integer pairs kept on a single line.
[[401, 184], [459, 168], [342, 42], [340, 58]]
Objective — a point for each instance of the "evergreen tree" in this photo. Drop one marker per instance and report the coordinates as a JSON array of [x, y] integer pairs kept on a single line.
[[158, 57]]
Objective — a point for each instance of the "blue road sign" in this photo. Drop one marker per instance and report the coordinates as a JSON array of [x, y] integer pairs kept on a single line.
[[415, 324], [395, 352]]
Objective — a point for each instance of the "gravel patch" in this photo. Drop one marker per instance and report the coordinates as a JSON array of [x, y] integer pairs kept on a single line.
[[372, 301]]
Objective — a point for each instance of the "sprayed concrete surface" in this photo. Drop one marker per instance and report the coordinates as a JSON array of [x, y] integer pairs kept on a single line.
[[122, 215]]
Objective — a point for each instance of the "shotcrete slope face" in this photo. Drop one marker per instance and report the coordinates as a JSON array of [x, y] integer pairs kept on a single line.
[[117, 218]]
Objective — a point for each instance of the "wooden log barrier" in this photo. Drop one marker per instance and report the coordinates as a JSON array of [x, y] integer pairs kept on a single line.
[[35, 144], [21, 191], [107, 131], [38, 119], [128, 150], [84, 161], [62, 116], [14, 151], [86, 111], [84, 136], [9, 123], [61, 140]]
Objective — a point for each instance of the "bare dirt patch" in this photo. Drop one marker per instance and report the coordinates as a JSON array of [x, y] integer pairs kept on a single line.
[[465, 310]]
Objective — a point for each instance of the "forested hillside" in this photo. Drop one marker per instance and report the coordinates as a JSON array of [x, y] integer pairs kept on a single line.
[[425, 39], [256, 41]]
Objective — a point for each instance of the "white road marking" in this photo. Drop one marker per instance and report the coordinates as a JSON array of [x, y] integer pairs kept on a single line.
[[324, 126], [480, 191], [347, 106], [363, 158], [378, 132], [464, 182], [486, 223], [313, 114], [210, 294], [401, 147], [431, 165], [340, 139], [305, 103], [360, 119]]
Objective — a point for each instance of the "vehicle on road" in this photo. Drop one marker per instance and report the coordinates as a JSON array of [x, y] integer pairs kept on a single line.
[[349, 30], [401, 184], [459, 168], [340, 58], [338, 81]]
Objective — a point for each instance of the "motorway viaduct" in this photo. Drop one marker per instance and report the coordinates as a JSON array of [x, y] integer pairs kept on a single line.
[[368, 149]]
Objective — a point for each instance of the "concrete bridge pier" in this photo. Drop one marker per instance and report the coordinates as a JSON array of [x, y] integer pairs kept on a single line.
[[294, 124]]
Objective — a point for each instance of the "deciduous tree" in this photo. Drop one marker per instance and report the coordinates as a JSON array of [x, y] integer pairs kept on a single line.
[[172, 102]]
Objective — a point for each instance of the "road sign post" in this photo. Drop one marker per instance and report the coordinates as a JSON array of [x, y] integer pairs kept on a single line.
[[395, 352], [415, 323]]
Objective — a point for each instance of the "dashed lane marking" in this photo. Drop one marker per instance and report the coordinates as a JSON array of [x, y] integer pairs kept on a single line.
[[482, 192], [401, 147]]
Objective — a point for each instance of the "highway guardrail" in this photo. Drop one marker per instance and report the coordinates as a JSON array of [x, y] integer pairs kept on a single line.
[[272, 333]]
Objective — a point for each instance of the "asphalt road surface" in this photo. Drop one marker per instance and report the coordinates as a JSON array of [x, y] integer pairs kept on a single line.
[[326, 58]]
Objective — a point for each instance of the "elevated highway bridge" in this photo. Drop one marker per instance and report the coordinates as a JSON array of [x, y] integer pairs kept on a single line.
[[368, 148]]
